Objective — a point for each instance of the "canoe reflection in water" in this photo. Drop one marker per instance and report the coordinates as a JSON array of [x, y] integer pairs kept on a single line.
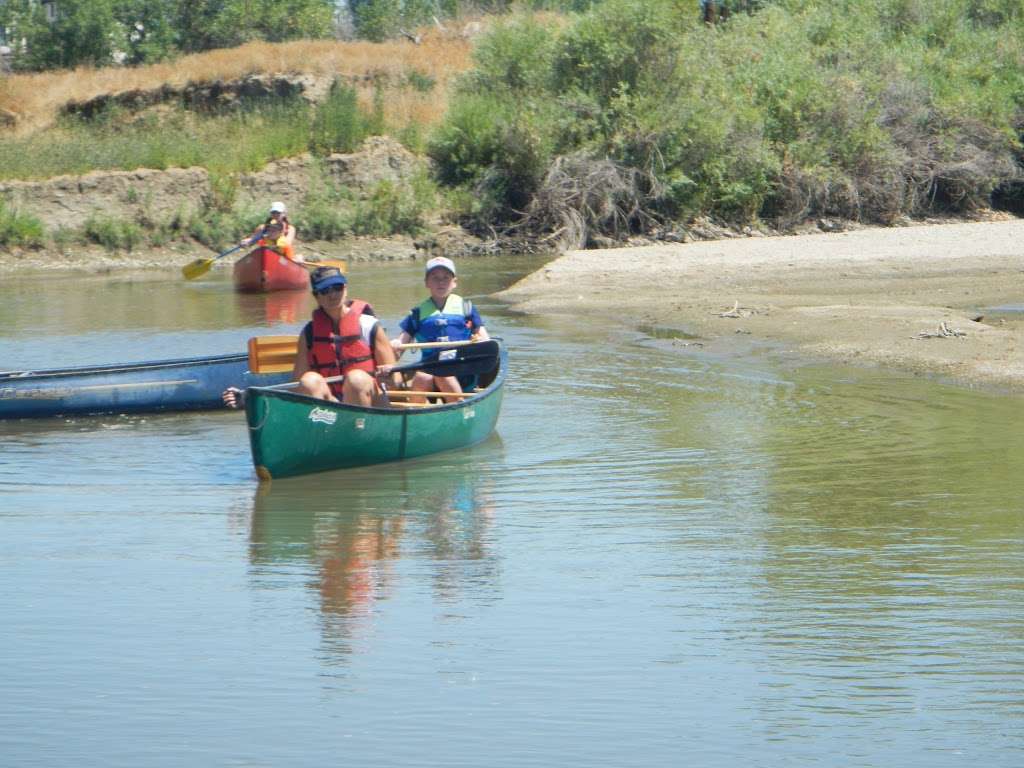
[[355, 530]]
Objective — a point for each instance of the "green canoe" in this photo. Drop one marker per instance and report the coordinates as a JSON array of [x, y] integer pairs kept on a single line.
[[292, 434]]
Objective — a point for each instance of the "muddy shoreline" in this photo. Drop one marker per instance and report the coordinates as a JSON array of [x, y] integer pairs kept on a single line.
[[96, 260], [933, 299]]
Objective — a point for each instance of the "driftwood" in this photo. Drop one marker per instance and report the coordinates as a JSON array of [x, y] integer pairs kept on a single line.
[[943, 332], [734, 312]]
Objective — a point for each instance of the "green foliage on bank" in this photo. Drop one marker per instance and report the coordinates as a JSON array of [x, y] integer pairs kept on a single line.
[[637, 115], [381, 19], [103, 32], [232, 141], [99, 33], [18, 229]]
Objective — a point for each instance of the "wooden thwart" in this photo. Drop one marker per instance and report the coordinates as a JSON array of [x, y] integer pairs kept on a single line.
[[413, 393]]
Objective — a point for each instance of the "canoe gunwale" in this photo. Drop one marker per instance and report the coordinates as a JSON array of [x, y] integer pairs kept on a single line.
[[159, 386], [144, 365]]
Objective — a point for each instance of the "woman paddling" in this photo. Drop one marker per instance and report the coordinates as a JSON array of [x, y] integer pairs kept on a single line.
[[340, 349], [276, 232]]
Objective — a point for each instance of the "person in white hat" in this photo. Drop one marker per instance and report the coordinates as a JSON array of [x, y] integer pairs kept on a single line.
[[276, 232], [443, 316]]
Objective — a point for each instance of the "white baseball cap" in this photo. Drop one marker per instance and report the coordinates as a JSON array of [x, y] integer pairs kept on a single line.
[[278, 207], [440, 261]]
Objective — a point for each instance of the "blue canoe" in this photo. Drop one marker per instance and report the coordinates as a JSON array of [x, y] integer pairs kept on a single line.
[[194, 383]]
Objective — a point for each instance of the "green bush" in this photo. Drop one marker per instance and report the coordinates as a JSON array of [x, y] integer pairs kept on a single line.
[[470, 140], [339, 125], [396, 208], [113, 233], [636, 114], [515, 57], [19, 229]]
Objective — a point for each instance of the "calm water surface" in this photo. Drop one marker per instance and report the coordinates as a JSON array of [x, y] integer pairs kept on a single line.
[[717, 562]]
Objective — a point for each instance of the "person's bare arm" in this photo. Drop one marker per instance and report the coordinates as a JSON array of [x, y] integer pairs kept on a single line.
[[301, 359], [384, 353]]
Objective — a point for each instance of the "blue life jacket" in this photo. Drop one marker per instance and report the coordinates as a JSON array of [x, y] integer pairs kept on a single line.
[[452, 323]]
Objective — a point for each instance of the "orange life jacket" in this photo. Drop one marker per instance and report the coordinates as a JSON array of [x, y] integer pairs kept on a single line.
[[335, 354], [287, 250]]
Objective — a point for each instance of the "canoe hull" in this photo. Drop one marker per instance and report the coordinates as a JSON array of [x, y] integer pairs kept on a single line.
[[145, 387], [265, 270], [292, 434]]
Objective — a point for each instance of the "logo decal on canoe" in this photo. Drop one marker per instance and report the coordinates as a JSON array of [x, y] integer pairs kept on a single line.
[[469, 413], [323, 416]]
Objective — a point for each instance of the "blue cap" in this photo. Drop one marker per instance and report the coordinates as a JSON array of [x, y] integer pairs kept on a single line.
[[322, 278]]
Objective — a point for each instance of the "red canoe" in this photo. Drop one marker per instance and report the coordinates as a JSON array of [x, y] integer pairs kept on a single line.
[[264, 269]]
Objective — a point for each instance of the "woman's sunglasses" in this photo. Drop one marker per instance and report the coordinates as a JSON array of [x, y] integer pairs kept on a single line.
[[330, 289]]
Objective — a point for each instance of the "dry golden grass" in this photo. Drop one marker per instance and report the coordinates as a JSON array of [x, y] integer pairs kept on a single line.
[[36, 99]]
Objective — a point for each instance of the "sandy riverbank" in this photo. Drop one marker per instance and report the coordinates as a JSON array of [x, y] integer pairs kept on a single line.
[[907, 298]]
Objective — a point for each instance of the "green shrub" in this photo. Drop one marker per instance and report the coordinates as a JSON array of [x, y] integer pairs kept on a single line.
[[516, 56], [635, 114], [396, 208], [470, 140], [338, 125], [113, 233], [19, 229]]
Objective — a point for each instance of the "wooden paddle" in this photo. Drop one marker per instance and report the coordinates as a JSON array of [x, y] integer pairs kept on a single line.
[[200, 267], [273, 354]]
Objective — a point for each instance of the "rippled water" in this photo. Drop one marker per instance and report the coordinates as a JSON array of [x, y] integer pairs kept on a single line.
[[659, 559]]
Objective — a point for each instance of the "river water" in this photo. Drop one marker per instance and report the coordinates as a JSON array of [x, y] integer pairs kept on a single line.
[[661, 558]]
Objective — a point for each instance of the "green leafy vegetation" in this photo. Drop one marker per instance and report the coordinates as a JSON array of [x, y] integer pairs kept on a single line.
[[165, 138], [339, 125], [102, 32], [637, 116], [19, 229], [113, 233]]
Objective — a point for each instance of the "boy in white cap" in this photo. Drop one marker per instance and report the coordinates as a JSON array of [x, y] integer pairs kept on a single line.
[[444, 316], [276, 232]]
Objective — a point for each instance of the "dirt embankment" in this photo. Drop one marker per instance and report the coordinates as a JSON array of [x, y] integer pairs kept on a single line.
[[923, 299], [154, 196], [68, 201]]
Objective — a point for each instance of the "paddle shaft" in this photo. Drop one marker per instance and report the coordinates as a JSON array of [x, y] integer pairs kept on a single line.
[[468, 363], [436, 344]]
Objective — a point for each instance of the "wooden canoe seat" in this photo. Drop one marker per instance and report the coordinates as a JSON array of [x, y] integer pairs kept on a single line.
[[272, 354]]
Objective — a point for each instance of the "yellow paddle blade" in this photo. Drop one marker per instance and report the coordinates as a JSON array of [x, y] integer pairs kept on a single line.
[[272, 354], [197, 268]]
